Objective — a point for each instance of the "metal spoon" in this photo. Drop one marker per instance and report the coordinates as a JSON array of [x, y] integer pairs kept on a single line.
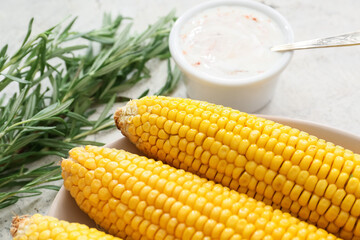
[[348, 39]]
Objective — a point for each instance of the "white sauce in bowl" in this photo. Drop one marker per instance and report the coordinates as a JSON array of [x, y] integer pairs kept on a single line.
[[231, 42]]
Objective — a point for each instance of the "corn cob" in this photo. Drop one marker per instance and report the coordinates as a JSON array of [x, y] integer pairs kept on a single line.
[[140, 198], [282, 166], [38, 227]]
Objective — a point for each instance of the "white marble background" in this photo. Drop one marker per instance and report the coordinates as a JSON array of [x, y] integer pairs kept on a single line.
[[319, 85]]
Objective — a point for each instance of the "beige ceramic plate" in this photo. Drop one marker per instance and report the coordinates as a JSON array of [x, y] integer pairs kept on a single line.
[[65, 208]]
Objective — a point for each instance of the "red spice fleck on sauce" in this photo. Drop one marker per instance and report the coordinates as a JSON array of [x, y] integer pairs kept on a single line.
[[197, 64], [184, 52], [247, 16], [255, 19]]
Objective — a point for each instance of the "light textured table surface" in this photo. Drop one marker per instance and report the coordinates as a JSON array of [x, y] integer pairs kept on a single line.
[[319, 85]]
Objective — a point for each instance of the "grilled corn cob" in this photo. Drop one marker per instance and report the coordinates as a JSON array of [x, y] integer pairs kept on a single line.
[[140, 198], [38, 227], [282, 166]]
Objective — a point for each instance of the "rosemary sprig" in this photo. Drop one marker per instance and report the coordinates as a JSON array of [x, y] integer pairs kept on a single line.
[[58, 84]]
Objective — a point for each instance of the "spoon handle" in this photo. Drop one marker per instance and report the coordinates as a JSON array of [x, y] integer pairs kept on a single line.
[[348, 39]]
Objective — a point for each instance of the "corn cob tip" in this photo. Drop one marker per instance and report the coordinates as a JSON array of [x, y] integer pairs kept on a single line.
[[122, 115], [17, 221]]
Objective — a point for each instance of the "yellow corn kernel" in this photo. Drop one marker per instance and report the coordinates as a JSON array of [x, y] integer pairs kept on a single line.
[[310, 183], [323, 205], [322, 222], [293, 172], [320, 187], [315, 166], [304, 213], [276, 163], [346, 235], [278, 182], [302, 177], [342, 179], [304, 198], [341, 219], [323, 171], [350, 224], [330, 191], [285, 167], [349, 164], [295, 192], [313, 202], [259, 155], [338, 197], [267, 159], [352, 185], [260, 172], [357, 191], [288, 186], [332, 213], [333, 175], [355, 210], [314, 217], [305, 162], [338, 162]]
